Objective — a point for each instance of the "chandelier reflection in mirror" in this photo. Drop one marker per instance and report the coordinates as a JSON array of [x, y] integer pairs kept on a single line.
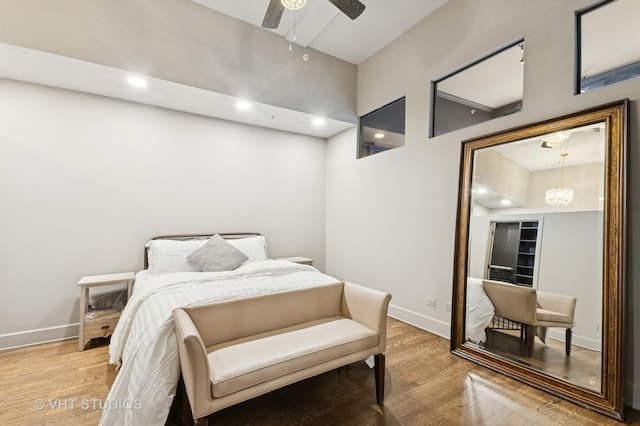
[[293, 4], [559, 196], [554, 140]]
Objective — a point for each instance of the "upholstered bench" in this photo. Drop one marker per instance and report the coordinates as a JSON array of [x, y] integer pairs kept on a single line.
[[235, 350]]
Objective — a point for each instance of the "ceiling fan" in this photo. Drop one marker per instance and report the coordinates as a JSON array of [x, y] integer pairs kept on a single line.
[[351, 8]]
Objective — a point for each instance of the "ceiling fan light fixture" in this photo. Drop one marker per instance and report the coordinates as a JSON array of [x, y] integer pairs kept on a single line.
[[293, 4], [273, 15]]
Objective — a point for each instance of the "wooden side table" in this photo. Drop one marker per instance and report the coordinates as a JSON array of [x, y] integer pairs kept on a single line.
[[297, 259], [100, 322]]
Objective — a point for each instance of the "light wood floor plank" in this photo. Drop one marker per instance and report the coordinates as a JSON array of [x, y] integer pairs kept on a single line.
[[426, 385]]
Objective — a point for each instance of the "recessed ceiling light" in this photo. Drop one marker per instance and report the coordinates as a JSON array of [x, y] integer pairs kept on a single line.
[[137, 81], [379, 136], [481, 190], [505, 202], [319, 121], [243, 105]]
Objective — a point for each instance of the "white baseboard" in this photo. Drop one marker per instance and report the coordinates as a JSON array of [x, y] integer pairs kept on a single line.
[[583, 342], [35, 337], [423, 322]]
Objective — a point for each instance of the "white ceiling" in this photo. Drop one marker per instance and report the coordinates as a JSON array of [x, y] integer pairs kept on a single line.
[[321, 26], [610, 37], [585, 145], [33, 66], [495, 82]]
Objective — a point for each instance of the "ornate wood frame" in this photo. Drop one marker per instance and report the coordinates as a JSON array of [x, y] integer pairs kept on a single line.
[[610, 401]]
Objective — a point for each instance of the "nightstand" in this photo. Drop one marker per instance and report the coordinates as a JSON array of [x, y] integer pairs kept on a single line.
[[297, 259], [99, 322]]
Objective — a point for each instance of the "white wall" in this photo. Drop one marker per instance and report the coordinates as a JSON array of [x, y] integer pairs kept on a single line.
[[388, 226], [571, 263], [501, 175], [391, 216], [86, 180]]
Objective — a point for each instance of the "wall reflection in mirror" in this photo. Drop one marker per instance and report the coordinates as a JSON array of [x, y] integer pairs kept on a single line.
[[534, 292], [486, 89], [608, 40]]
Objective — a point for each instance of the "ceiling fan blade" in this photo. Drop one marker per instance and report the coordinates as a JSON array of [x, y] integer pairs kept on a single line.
[[273, 15], [351, 8]]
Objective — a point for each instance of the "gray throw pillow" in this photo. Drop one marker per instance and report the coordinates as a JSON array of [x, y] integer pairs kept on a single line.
[[216, 255]]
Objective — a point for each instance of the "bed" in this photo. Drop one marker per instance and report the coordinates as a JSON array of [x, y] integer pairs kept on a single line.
[[143, 345], [480, 311]]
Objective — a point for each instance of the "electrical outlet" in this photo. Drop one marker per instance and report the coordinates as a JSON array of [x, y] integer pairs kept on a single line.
[[447, 306], [430, 302]]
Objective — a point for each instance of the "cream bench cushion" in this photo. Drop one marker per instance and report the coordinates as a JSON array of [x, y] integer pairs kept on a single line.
[[244, 365]]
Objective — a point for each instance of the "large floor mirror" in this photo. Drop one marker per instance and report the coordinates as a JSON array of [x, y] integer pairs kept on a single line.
[[539, 278]]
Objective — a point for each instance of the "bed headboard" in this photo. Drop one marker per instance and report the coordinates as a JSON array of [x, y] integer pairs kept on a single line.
[[226, 236]]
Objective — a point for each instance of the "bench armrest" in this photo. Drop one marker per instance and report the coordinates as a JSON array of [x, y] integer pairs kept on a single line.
[[557, 303], [368, 307], [193, 362]]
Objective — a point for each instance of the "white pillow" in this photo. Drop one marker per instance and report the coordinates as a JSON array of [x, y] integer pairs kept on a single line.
[[167, 256], [255, 248]]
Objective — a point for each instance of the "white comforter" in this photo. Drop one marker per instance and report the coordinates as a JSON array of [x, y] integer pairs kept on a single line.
[[480, 311], [145, 342]]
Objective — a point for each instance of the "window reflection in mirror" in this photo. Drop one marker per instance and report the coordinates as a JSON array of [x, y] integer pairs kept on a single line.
[[537, 225], [608, 49], [486, 89], [382, 129]]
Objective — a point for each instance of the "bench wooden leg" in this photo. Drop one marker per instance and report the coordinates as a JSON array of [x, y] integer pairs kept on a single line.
[[567, 341], [379, 375], [181, 409], [529, 336], [185, 410]]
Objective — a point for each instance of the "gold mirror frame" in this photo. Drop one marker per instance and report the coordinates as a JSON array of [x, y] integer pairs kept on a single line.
[[610, 401]]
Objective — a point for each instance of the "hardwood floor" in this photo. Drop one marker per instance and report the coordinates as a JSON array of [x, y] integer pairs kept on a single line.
[[426, 385], [56, 376], [581, 368]]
